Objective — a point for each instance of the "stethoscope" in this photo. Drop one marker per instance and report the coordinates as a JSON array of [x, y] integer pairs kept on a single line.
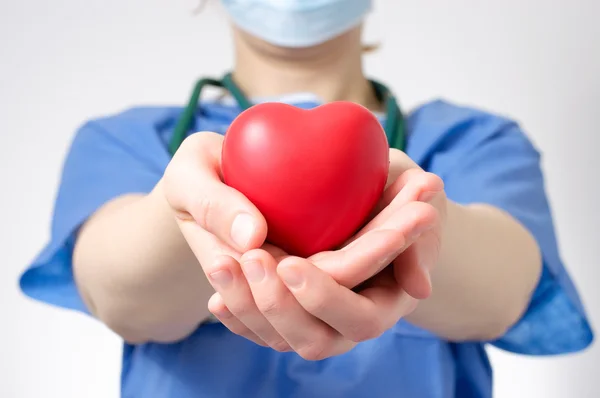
[[394, 125]]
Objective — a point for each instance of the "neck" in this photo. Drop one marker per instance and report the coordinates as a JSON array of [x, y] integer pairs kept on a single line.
[[333, 71]]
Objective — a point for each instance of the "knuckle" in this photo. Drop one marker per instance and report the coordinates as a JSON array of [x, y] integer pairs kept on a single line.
[[241, 331], [317, 304], [426, 210], [412, 174], [241, 310], [220, 311], [435, 178], [221, 314], [281, 346], [202, 212], [270, 307], [315, 351], [364, 331], [425, 177]]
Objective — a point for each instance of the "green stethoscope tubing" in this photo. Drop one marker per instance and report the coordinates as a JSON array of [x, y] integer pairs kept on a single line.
[[395, 129]]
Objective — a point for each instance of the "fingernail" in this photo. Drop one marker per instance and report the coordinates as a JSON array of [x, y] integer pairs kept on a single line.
[[242, 229], [222, 278], [292, 277], [254, 271]]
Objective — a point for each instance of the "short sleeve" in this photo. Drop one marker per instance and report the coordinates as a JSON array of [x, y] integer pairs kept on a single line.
[[107, 159], [490, 160]]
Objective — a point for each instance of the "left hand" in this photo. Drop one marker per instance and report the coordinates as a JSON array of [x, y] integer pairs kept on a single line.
[[408, 187], [322, 306]]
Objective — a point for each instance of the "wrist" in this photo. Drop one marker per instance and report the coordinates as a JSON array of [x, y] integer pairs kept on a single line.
[[156, 203]]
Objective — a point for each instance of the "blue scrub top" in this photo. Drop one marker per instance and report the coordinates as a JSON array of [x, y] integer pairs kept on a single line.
[[480, 156]]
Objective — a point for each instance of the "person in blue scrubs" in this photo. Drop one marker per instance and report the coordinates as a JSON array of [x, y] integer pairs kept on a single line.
[[175, 262]]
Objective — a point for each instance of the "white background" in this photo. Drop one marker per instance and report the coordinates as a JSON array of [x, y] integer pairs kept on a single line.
[[65, 61]]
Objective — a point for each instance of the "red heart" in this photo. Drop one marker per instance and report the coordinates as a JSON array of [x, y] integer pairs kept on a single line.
[[315, 175]]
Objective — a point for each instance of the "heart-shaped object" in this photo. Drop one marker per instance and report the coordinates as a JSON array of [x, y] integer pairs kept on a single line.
[[315, 175]]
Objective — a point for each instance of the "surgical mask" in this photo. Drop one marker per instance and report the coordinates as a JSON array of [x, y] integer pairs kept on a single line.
[[297, 23]]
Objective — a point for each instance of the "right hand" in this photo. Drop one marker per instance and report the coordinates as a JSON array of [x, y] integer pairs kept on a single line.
[[217, 221]]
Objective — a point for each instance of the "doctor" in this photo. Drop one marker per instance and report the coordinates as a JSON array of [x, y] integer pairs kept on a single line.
[[174, 261]]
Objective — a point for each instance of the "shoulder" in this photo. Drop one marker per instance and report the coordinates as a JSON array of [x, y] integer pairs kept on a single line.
[[139, 122], [134, 129], [143, 132], [134, 120], [445, 116], [442, 127], [133, 136]]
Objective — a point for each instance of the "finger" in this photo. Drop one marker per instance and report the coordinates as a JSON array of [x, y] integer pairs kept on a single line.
[[217, 307], [229, 281], [277, 253], [400, 162], [307, 335], [195, 190], [413, 266], [413, 185], [220, 265], [408, 272], [374, 250], [411, 275], [386, 284], [207, 248], [357, 317]]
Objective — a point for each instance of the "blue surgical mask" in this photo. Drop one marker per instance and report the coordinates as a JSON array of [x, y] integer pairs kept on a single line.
[[297, 23]]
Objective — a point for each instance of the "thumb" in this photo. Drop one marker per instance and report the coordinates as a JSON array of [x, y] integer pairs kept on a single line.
[[195, 191], [229, 215]]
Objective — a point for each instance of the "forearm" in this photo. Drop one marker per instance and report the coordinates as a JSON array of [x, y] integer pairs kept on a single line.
[[136, 272], [488, 268]]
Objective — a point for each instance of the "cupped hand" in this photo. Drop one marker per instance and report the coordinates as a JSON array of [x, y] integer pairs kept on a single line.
[[289, 304], [324, 305], [411, 194]]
